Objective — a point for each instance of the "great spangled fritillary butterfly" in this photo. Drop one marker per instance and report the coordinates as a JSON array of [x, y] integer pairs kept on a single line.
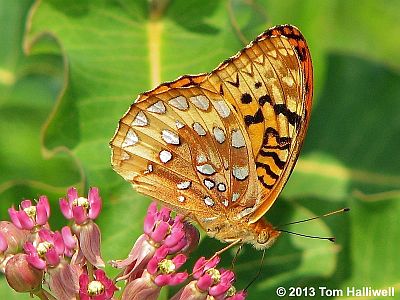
[[219, 147]]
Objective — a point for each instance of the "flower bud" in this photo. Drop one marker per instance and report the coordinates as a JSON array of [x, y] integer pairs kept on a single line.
[[14, 237], [21, 276]]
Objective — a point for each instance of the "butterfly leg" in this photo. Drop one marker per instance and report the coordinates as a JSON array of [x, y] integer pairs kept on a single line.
[[232, 244], [236, 256]]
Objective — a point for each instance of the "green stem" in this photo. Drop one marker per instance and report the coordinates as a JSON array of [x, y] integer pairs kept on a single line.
[[44, 295]]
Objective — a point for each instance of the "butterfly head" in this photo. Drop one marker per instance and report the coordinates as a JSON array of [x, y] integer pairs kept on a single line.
[[264, 235]]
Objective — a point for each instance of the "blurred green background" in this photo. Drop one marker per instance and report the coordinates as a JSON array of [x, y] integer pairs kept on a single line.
[[70, 69]]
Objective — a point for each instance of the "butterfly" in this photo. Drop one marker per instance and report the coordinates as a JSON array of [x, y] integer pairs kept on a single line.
[[219, 147]]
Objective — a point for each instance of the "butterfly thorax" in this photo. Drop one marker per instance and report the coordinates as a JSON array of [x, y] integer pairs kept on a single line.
[[260, 234]]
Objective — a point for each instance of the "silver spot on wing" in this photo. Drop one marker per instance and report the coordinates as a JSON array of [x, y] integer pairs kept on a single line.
[[131, 139], [158, 108], [170, 137], [179, 103]]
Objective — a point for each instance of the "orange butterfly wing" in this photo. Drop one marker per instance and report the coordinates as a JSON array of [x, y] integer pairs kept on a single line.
[[186, 147], [259, 103], [270, 83]]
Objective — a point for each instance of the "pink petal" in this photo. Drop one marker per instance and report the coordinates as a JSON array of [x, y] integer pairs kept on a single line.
[[93, 195], [160, 232], [35, 261], [152, 265], [152, 208], [205, 282], [178, 247], [14, 217], [100, 275], [179, 260], [161, 253], [141, 288], [212, 263], [83, 296], [219, 289], [95, 203], [41, 213], [198, 267], [175, 237], [83, 282], [102, 296], [79, 214], [29, 248], [72, 194], [26, 204], [25, 221], [68, 238], [52, 257], [149, 223], [58, 243], [133, 254], [64, 281], [165, 214], [65, 208], [190, 292], [227, 276], [178, 221], [46, 235], [110, 291], [89, 241], [162, 280], [178, 278], [45, 202]]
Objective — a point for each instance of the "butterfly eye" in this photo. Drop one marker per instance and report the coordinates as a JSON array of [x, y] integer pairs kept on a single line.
[[263, 237]]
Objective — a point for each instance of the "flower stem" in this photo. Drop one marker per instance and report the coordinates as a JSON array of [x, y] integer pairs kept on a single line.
[[44, 295]]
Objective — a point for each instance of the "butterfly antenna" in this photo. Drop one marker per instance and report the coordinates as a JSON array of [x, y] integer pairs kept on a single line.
[[258, 272], [346, 209], [332, 239]]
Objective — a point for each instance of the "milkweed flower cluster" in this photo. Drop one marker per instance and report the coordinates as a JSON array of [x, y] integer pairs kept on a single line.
[[67, 264]]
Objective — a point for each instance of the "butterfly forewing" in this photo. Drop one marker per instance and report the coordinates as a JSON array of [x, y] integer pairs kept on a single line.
[[269, 84]]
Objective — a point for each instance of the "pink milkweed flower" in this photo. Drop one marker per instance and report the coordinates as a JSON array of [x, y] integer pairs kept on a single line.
[[101, 288], [163, 269], [79, 208], [47, 251], [210, 281], [160, 272], [28, 216], [160, 230], [83, 211]]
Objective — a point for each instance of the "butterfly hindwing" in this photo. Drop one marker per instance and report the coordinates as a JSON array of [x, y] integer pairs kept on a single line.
[[185, 147]]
